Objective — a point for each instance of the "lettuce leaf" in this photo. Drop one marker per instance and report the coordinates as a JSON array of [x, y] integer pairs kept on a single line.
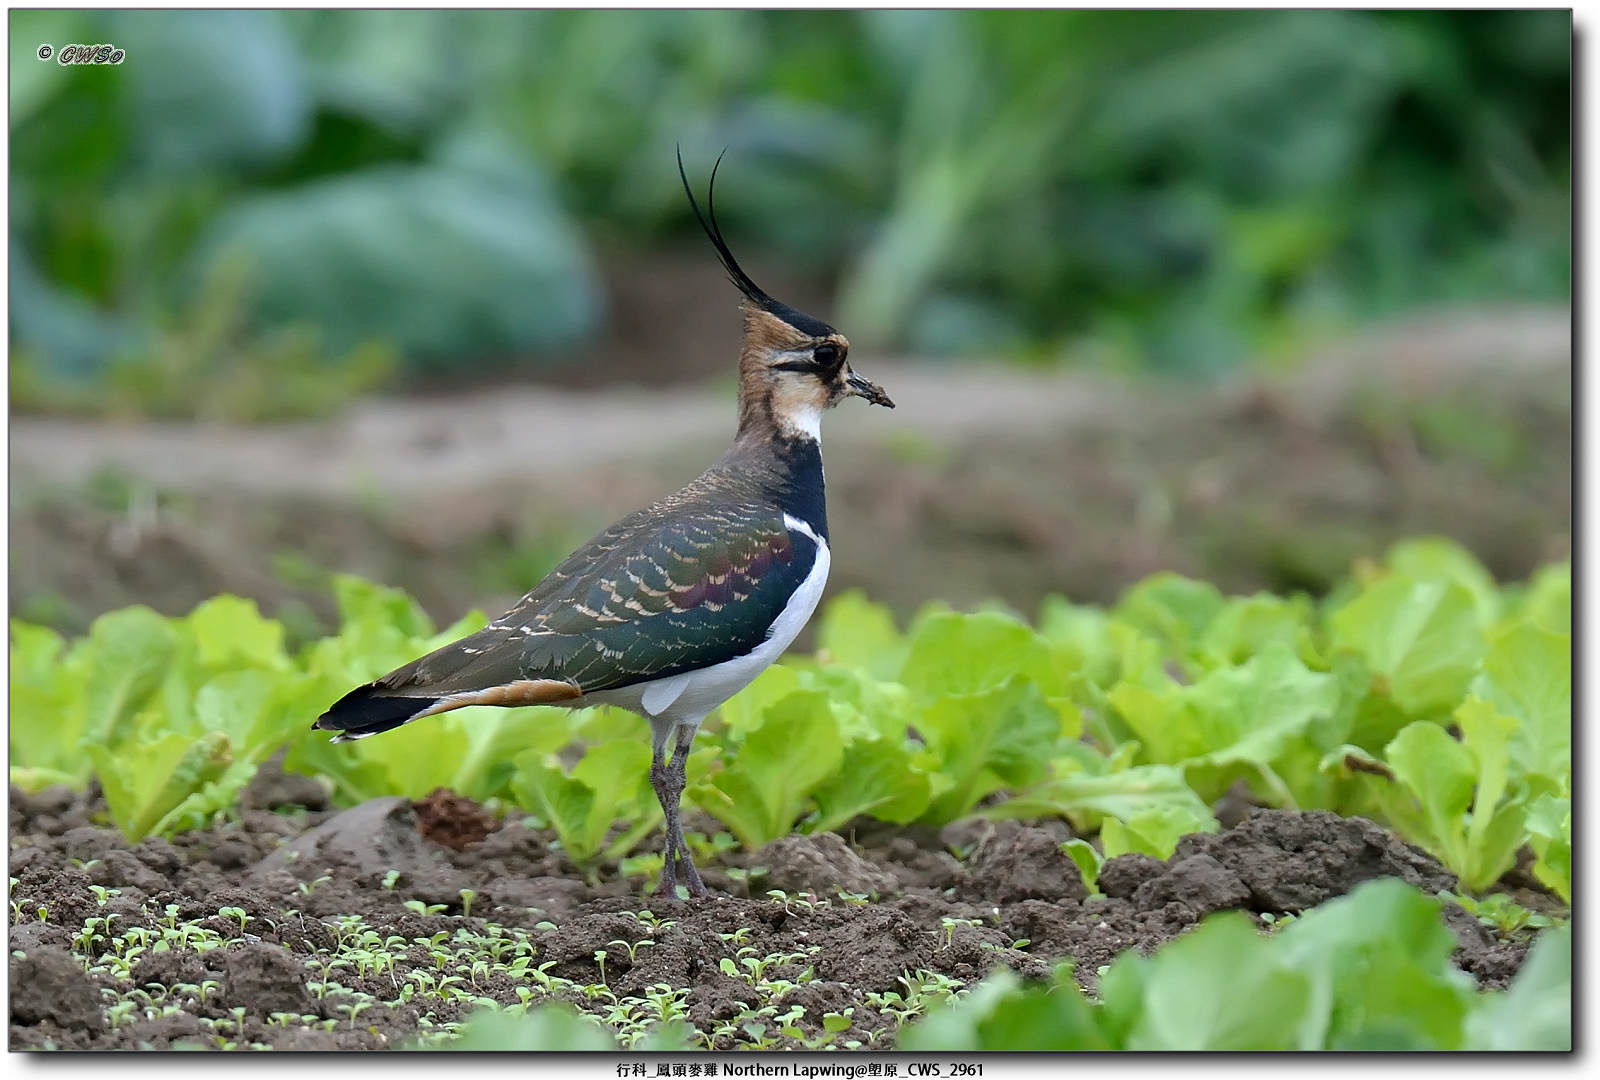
[[581, 806], [766, 786]]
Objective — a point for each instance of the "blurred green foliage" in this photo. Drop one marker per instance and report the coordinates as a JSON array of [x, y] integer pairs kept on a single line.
[[212, 367], [1174, 189]]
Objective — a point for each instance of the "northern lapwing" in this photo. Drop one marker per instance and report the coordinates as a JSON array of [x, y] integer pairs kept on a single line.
[[677, 607]]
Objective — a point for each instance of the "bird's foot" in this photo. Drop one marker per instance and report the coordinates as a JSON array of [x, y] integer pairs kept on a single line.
[[691, 876], [692, 882], [669, 882], [669, 781], [677, 858]]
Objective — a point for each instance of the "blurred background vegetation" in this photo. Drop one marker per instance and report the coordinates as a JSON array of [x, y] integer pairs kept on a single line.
[[267, 216], [260, 214]]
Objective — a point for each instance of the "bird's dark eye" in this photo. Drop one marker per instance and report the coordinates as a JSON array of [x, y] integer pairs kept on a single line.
[[825, 360]]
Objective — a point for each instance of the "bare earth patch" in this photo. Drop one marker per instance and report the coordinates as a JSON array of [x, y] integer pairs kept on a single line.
[[273, 902]]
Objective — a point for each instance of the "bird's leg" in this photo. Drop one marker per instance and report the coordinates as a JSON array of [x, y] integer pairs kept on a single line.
[[677, 778], [668, 798], [669, 778]]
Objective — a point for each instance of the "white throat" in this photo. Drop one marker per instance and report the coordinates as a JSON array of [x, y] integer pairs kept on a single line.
[[805, 421]]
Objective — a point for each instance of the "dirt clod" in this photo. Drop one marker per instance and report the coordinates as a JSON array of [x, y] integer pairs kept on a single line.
[[264, 979], [372, 839], [1293, 861], [446, 818], [171, 968], [89, 842], [272, 787], [1014, 862], [1121, 877], [123, 868], [1199, 882], [820, 864], [49, 986]]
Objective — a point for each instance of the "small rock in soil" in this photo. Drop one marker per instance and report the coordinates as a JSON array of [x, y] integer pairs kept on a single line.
[[819, 864], [49, 984]]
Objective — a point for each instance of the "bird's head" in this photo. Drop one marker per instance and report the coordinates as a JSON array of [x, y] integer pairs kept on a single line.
[[793, 365]]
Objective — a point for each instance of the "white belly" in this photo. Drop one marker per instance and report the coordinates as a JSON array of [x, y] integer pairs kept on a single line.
[[687, 698]]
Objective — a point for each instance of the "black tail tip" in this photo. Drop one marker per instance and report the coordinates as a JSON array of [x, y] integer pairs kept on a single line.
[[360, 713]]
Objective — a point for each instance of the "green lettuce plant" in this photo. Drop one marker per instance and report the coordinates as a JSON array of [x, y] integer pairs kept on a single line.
[[608, 784], [1549, 826], [1368, 971], [766, 785], [1419, 693]]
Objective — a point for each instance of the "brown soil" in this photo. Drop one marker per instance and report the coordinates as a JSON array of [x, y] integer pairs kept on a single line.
[[1020, 903], [446, 818]]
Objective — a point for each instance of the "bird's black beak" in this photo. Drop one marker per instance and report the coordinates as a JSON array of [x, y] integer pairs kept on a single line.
[[856, 386]]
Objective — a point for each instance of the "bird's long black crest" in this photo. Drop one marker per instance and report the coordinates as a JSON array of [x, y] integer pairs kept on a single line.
[[736, 274], [806, 324]]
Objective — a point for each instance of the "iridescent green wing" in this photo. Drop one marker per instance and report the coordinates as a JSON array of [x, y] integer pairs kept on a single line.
[[692, 591]]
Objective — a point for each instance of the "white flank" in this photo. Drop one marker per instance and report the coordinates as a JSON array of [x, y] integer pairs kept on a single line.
[[688, 697], [659, 695]]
